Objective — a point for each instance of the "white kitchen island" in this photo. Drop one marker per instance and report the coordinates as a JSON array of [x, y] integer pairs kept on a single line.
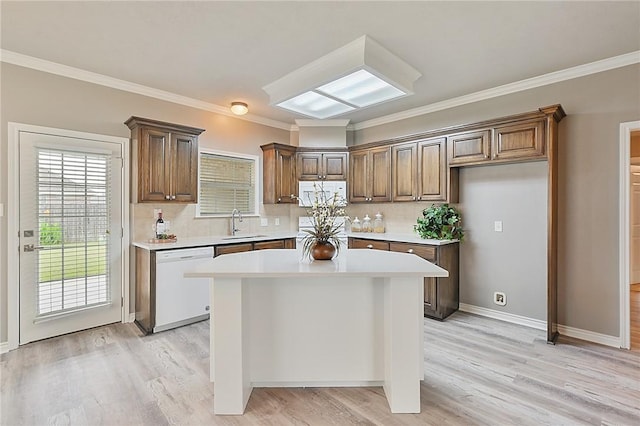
[[280, 321]]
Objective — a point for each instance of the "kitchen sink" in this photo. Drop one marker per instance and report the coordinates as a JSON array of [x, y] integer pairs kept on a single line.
[[241, 237]]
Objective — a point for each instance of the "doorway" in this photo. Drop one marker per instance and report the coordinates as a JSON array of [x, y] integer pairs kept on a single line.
[[629, 233], [634, 239], [69, 222]]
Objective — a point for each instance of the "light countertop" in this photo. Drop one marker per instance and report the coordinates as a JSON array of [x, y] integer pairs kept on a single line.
[[399, 237], [215, 240], [289, 263]]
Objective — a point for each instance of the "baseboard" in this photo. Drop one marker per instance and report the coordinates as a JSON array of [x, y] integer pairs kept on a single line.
[[504, 316], [577, 333], [590, 336], [4, 347], [132, 317]]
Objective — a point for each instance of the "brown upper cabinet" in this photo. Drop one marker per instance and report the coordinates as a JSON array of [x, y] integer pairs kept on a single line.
[[279, 179], [518, 141], [522, 140], [370, 175], [166, 158], [419, 171], [468, 147], [322, 165]]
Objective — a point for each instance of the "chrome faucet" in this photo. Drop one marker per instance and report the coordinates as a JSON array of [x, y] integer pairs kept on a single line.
[[233, 221]]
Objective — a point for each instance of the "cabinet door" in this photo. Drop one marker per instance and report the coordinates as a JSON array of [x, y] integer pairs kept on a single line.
[[334, 166], [432, 177], [184, 168], [468, 148], [286, 179], [154, 165], [403, 165], [380, 174], [430, 296], [520, 141], [359, 176], [309, 166]]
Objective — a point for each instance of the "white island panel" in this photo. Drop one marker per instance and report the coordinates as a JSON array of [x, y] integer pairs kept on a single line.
[[278, 320]]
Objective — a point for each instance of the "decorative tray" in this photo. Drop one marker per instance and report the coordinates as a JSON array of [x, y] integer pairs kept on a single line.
[[163, 240]]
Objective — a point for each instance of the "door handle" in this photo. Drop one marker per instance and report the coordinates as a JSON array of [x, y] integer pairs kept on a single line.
[[32, 247]]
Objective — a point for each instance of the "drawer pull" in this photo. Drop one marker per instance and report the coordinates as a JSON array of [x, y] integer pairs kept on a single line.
[[370, 246], [167, 197], [410, 251]]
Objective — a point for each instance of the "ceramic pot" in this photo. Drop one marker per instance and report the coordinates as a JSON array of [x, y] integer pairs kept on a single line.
[[323, 250]]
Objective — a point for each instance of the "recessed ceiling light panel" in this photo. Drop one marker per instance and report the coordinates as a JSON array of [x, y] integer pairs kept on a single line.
[[315, 105], [357, 75], [361, 89]]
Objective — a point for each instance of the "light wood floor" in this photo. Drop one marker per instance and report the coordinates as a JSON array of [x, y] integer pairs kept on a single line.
[[478, 371]]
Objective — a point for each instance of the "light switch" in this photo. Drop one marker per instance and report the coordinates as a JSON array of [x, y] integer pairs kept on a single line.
[[497, 226], [1, 209], [264, 221], [277, 221]]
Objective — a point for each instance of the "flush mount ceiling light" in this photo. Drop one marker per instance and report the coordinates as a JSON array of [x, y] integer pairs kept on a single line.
[[358, 75], [239, 108]]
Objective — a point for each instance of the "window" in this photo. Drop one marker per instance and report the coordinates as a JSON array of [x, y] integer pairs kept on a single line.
[[227, 182]]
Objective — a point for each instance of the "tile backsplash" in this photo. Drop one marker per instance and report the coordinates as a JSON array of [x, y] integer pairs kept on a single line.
[[183, 221], [398, 218]]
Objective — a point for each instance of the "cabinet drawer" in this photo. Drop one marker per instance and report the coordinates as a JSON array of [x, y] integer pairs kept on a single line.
[[425, 252], [370, 244], [232, 248], [263, 245]]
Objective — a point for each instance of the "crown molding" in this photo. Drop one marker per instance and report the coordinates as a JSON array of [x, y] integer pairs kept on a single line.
[[26, 61], [518, 86]]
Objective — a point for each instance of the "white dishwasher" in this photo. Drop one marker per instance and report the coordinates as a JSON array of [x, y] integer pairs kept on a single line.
[[180, 300]]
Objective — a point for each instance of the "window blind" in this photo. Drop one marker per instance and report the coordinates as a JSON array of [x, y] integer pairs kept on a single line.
[[226, 183], [74, 197]]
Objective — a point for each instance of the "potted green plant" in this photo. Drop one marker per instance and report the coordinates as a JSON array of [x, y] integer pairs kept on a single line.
[[440, 222]]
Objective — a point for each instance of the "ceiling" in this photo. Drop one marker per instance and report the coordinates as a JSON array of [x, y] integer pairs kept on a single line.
[[219, 52]]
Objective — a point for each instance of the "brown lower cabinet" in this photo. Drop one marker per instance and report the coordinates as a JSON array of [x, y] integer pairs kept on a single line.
[[441, 295], [145, 275]]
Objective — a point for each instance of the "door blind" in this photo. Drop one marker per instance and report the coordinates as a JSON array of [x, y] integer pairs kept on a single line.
[[226, 183], [73, 199]]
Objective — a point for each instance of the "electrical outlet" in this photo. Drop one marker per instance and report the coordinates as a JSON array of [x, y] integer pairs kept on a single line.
[[264, 221], [499, 298], [497, 226], [277, 221]]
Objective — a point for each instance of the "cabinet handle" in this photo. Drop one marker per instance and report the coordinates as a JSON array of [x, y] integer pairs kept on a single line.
[[279, 199], [410, 251], [167, 197], [319, 176], [414, 198], [173, 197], [370, 246], [419, 198]]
